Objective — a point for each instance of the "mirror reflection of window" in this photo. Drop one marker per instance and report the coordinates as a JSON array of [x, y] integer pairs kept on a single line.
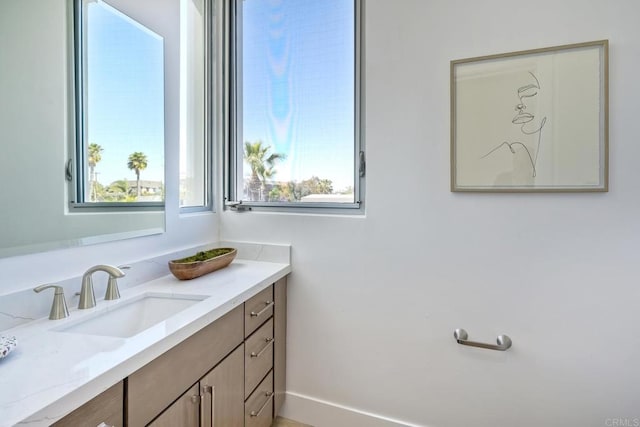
[[121, 136]]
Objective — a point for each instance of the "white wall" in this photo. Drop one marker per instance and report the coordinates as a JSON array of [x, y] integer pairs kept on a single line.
[[374, 301]]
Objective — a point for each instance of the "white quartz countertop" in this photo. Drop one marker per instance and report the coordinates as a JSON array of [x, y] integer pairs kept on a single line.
[[51, 373]]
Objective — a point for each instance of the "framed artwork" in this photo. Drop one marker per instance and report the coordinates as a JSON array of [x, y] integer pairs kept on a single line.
[[531, 121]]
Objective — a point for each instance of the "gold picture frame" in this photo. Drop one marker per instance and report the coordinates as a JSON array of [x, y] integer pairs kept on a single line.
[[531, 121]]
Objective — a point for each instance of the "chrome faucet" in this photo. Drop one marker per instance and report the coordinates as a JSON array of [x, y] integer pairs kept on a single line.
[[88, 297], [59, 307]]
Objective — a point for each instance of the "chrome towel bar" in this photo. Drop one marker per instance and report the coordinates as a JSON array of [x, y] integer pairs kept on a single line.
[[504, 342]]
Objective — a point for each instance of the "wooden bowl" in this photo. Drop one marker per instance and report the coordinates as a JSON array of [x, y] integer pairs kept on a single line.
[[191, 270]]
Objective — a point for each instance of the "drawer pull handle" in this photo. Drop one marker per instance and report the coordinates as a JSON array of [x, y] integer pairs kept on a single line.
[[269, 395], [268, 305], [269, 341], [504, 342]]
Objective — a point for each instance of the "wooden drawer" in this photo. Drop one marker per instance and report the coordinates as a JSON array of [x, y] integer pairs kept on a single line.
[[258, 357], [257, 310], [104, 408], [155, 386], [258, 410]]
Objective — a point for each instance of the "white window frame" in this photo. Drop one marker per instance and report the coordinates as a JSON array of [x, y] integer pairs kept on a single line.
[[211, 45], [233, 94]]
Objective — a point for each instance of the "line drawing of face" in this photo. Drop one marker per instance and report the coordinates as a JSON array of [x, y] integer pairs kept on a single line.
[[524, 118], [528, 125]]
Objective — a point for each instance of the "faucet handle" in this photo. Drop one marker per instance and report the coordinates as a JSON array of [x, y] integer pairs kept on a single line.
[[112, 285], [59, 308]]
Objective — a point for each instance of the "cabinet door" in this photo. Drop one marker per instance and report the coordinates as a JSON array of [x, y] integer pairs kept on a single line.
[[106, 408], [184, 412], [222, 392]]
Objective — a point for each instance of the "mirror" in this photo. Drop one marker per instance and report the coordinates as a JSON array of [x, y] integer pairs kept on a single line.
[[37, 129]]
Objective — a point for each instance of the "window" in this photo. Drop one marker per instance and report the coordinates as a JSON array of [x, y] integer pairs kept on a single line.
[[196, 62], [295, 104], [119, 147]]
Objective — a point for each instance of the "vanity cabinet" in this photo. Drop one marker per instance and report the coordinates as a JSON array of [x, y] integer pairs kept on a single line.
[[104, 409], [229, 374]]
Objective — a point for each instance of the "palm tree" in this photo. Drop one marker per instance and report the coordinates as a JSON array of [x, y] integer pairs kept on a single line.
[[94, 157], [137, 162], [262, 166]]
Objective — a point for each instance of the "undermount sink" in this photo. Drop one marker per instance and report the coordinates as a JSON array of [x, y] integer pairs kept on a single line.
[[131, 317]]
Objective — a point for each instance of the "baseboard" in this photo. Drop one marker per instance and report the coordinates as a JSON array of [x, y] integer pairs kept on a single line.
[[320, 413]]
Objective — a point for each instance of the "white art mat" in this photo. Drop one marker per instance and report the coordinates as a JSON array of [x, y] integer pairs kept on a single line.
[[530, 121]]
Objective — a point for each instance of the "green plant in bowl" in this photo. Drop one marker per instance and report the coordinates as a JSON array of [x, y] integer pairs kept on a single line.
[[205, 255], [201, 263]]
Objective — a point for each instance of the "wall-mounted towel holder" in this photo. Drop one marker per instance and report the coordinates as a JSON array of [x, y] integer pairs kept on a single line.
[[504, 342]]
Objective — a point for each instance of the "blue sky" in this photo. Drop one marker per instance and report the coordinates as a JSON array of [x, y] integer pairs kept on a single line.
[[125, 83], [298, 94]]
